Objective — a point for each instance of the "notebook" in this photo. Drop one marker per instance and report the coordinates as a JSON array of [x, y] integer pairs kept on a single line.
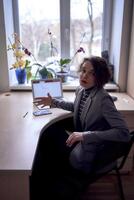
[[41, 88]]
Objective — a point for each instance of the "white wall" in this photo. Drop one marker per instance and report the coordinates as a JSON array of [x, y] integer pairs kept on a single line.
[[116, 35], [130, 82], [4, 84]]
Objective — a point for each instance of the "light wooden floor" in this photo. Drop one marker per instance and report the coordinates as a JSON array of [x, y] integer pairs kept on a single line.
[[107, 188]]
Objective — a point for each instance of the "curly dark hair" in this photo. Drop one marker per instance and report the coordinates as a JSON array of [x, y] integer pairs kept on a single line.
[[101, 70]]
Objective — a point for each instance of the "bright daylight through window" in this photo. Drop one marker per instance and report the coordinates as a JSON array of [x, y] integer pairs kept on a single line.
[[50, 36]]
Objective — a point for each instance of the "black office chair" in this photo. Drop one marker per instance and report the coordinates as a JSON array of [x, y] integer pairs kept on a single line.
[[103, 164]]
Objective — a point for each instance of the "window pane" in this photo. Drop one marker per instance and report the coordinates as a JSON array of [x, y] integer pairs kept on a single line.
[[40, 29], [37, 18], [86, 27]]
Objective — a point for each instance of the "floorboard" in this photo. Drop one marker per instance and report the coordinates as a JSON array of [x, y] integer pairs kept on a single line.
[[107, 188]]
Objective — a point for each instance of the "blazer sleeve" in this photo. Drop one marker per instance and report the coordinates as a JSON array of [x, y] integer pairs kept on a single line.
[[63, 104], [118, 130]]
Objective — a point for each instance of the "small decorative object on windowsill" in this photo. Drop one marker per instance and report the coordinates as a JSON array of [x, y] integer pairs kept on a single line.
[[22, 64]]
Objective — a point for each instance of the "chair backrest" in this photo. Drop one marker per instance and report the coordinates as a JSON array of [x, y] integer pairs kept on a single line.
[[110, 152], [127, 150]]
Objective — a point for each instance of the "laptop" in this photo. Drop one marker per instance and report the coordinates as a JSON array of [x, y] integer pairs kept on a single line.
[[41, 88]]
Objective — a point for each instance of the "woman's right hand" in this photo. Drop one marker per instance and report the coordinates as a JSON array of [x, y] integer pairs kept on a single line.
[[43, 101], [74, 137]]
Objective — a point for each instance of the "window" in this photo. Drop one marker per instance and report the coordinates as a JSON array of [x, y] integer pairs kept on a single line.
[[37, 19], [86, 28], [54, 29]]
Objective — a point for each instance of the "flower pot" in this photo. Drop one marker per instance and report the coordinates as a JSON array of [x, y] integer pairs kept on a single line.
[[63, 76], [20, 75]]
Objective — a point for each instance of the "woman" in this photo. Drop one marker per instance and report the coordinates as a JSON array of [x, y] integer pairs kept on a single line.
[[95, 120]]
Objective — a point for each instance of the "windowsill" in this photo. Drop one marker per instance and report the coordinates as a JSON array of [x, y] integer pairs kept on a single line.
[[71, 86]]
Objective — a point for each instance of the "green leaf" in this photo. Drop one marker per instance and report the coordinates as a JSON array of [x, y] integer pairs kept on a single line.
[[49, 75], [64, 61], [43, 72], [27, 63], [29, 75]]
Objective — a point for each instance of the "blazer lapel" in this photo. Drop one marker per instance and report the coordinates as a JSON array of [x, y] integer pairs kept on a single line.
[[76, 107], [87, 106]]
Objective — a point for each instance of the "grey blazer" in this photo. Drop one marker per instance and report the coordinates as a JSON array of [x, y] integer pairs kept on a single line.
[[100, 121]]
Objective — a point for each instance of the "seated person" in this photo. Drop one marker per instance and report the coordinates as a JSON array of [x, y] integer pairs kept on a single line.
[[96, 120]]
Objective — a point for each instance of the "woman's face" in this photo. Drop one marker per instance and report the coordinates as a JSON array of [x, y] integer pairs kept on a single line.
[[87, 77]]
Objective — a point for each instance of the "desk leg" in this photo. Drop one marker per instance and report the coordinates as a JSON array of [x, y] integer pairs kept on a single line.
[[14, 185]]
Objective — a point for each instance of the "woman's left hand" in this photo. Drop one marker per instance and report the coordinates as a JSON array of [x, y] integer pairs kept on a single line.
[[74, 137]]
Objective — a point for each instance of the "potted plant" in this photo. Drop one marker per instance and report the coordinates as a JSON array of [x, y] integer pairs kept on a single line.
[[63, 73], [42, 72], [21, 64]]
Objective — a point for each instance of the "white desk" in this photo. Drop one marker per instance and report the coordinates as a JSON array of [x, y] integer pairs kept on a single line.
[[19, 137]]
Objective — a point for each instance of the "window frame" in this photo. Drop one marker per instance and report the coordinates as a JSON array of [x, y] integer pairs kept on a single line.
[[107, 24], [65, 29]]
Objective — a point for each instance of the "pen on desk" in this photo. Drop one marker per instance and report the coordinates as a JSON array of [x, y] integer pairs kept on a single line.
[[25, 115]]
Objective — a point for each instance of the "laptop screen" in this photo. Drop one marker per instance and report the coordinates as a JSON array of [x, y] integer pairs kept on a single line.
[[41, 88]]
